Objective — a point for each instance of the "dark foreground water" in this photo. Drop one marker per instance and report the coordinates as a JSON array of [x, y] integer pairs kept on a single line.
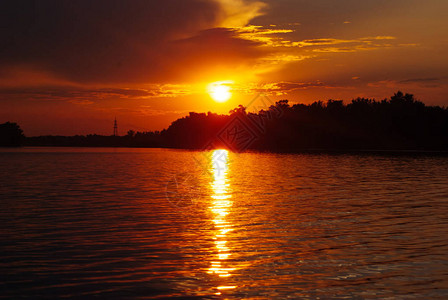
[[154, 223]]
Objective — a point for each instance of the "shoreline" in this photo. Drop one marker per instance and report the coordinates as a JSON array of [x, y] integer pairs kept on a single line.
[[380, 152]]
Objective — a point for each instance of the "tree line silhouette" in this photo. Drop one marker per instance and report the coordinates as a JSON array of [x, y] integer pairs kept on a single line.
[[398, 123], [11, 135]]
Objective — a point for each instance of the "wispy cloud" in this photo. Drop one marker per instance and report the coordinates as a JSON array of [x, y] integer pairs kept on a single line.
[[282, 48], [429, 82], [420, 80], [276, 88], [85, 96], [262, 35]]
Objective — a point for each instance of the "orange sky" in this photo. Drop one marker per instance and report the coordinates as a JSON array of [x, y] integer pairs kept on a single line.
[[70, 67]]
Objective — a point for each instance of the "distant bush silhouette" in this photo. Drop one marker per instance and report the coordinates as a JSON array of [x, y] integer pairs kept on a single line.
[[10, 135], [398, 123]]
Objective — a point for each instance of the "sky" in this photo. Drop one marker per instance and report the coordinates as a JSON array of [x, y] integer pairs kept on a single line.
[[71, 67]]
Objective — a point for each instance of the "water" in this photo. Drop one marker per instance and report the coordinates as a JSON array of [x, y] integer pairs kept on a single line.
[[154, 223]]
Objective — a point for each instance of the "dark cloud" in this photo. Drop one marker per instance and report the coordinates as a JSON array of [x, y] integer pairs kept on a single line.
[[212, 48], [290, 86], [70, 93], [99, 41]]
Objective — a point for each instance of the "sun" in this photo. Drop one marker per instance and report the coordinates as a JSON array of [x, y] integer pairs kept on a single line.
[[220, 90]]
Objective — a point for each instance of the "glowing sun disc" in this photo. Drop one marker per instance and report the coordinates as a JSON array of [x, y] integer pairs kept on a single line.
[[219, 91]]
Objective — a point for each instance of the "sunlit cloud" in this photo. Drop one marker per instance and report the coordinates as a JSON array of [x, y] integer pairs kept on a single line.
[[238, 13], [351, 44], [335, 50], [265, 36], [282, 57]]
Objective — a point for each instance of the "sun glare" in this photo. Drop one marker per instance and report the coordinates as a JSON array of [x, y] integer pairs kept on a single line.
[[220, 90]]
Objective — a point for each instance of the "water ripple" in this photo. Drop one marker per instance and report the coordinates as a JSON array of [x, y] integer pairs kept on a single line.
[[97, 222]]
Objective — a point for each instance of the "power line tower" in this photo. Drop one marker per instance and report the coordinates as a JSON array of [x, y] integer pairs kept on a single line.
[[115, 127]]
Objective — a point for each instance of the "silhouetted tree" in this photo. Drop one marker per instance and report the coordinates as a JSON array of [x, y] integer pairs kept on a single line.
[[11, 135], [239, 110], [131, 133]]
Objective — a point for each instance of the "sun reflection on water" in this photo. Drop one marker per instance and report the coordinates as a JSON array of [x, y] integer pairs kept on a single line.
[[220, 205]]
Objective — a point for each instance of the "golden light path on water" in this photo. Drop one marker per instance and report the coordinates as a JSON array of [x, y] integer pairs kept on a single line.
[[220, 205]]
